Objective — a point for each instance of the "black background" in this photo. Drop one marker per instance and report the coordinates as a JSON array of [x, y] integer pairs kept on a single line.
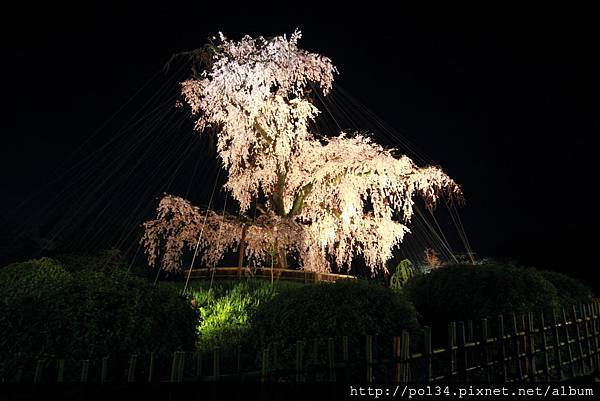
[[505, 99]]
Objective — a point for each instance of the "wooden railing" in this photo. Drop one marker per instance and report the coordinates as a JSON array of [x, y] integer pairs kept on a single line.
[[231, 273]]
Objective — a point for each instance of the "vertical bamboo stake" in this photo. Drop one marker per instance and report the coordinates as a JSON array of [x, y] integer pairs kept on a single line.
[[216, 363], [151, 368], [501, 342], [315, 358], [131, 371], [469, 330], [452, 348], [274, 355], [104, 370], [60, 375], [181, 367], [428, 355], [525, 346], [265, 365], [405, 355], [485, 349], [174, 367], [557, 347], [545, 347], [345, 356], [331, 359], [299, 346], [462, 353], [529, 332], [239, 360], [595, 312], [396, 355], [568, 342], [199, 364], [588, 342], [576, 322], [39, 371], [518, 354], [85, 367], [369, 358], [597, 334]]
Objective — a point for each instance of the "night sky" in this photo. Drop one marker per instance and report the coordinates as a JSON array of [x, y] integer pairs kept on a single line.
[[505, 100]]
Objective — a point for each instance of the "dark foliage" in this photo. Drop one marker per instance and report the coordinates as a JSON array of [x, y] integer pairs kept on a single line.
[[463, 292], [345, 308], [107, 261], [570, 291], [46, 311]]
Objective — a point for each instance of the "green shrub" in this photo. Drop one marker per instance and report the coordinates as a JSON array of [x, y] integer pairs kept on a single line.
[[463, 292], [38, 276], [107, 261], [345, 308], [225, 309], [404, 271], [570, 291], [46, 311]]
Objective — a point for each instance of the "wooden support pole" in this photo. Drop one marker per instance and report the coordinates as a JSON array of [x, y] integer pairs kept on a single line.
[[299, 365], [345, 357], [216, 364], [60, 373], [369, 357], [529, 333], [396, 356], [405, 355], [199, 364], [557, 347], [151, 367], [568, 342], [576, 322], [452, 348], [174, 367], [85, 368], [469, 330], [428, 354], [241, 251], [595, 334], [517, 348], [19, 376], [104, 370], [39, 371], [544, 340], [265, 365], [181, 367], [588, 341], [331, 359], [462, 353], [239, 360], [131, 370], [502, 346], [485, 351]]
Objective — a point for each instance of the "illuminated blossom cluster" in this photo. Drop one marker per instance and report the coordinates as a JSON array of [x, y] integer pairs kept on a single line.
[[256, 95], [327, 200]]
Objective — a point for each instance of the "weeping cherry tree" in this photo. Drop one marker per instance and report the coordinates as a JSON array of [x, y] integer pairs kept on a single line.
[[320, 200]]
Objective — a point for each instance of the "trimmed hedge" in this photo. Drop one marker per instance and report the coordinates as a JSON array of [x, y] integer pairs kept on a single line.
[[106, 261], [463, 292], [226, 309], [570, 291], [345, 308], [46, 311]]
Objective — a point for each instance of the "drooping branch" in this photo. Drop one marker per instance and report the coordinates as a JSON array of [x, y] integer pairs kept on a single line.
[[338, 197]]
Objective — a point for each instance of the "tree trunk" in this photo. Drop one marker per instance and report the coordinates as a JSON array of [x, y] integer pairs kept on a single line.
[[242, 248]]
